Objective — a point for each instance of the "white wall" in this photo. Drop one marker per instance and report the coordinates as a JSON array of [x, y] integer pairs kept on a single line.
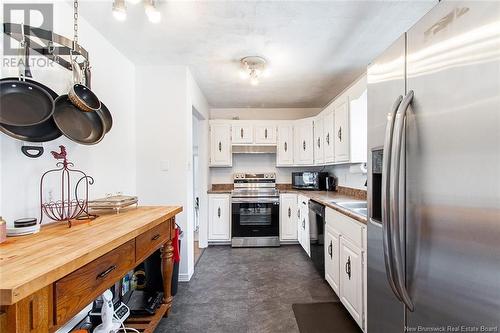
[[166, 96], [111, 162], [349, 175]]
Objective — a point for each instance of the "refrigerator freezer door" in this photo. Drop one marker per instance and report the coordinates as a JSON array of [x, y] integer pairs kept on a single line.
[[386, 81], [453, 166]]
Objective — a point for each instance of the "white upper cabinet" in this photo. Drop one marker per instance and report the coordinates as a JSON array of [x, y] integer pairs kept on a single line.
[[319, 147], [284, 149], [328, 135], [265, 134], [342, 133], [242, 133], [220, 145], [303, 132]]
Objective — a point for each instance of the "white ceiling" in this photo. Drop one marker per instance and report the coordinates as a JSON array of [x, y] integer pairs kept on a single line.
[[314, 49]]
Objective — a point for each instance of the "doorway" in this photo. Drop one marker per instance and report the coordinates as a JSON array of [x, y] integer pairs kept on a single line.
[[197, 188]]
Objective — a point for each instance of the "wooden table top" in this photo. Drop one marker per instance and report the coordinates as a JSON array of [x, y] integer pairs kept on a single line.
[[29, 263]]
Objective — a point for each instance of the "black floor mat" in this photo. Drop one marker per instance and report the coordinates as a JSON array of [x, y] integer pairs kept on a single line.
[[329, 317]]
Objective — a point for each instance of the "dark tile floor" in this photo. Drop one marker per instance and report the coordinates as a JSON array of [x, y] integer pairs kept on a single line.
[[246, 291]]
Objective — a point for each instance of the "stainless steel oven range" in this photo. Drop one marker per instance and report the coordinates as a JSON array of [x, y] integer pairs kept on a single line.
[[255, 210]]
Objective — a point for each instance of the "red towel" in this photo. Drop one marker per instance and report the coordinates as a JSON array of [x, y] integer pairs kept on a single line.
[[175, 243]]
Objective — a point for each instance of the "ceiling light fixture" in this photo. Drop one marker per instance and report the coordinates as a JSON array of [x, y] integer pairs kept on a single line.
[[152, 12], [253, 68], [119, 10]]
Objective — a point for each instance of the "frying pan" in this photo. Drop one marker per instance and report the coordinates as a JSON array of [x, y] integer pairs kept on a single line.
[[43, 132], [103, 111], [86, 128], [80, 95], [24, 103]]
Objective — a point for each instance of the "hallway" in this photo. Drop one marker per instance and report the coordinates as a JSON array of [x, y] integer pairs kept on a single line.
[[237, 290]]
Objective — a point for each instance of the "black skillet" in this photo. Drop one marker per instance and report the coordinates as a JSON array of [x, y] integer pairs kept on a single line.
[[103, 111], [24, 103], [80, 95], [42, 132], [86, 128]]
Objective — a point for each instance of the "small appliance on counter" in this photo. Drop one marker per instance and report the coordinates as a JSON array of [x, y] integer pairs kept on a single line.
[[330, 183], [310, 180]]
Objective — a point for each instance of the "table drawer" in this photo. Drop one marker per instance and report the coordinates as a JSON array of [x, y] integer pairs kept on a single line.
[[77, 289], [151, 240]]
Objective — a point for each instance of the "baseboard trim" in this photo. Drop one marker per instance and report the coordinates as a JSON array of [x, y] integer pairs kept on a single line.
[[184, 277]]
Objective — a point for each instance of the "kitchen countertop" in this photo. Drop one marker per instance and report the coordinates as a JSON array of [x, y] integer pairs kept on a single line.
[[323, 197], [29, 263]]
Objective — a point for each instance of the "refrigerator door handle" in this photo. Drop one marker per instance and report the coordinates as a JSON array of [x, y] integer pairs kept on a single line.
[[397, 206], [385, 198]]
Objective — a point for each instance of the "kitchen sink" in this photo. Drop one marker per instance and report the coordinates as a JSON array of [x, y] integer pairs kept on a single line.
[[358, 207]]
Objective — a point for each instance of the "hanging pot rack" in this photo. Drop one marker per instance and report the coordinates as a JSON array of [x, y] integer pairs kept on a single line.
[[47, 43]]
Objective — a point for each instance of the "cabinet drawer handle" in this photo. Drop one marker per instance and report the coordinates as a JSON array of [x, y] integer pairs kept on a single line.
[[328, 138], [330, 250], [155, 237], [319, 143], [348, 267], [241, 133], [340, 134], [265, 133], [218, 212], [286, 147], [220, 146], [289, 212], [106, 272], [304, 145]]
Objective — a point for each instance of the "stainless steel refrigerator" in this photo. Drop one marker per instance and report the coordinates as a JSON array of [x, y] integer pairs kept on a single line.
[[434, 174]]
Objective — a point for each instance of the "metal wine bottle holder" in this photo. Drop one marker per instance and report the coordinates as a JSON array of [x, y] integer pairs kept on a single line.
[[68, 208]]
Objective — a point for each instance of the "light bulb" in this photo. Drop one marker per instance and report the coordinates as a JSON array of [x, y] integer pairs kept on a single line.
[[254, 81], [152, 13], [119, 10]]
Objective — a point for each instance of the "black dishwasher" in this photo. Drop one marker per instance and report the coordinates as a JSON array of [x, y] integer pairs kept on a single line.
[[317, 237]]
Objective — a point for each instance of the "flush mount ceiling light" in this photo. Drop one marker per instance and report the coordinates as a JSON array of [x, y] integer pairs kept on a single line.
[[120, 10], [253, 68]]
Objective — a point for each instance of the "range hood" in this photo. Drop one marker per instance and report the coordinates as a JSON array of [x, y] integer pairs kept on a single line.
[[254, 149]]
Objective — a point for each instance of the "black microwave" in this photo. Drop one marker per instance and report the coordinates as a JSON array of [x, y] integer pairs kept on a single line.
[[310, 180]]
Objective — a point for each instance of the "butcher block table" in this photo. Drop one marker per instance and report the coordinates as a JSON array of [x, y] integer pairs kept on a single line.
[[48, 277]]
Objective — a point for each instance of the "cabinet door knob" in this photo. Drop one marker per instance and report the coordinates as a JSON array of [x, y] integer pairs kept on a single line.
[[220, 146], [265, 133], [304, 145], [218, 212], [285, 146], [241, 132], [289, 212]]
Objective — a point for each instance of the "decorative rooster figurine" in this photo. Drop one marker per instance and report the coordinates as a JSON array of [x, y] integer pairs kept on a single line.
[[60, 155]]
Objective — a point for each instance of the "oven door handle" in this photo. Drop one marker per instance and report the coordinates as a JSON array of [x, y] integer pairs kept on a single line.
[[275, 201]]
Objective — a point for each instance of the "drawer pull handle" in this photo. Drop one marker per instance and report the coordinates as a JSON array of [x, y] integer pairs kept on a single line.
[[304, 145], [106, 272], [289, 212], [319, 143], [330, 250], [155, 237], [265, 133], [348, 267], [328, 138], [241, 133], [286, 147], [220, 146]]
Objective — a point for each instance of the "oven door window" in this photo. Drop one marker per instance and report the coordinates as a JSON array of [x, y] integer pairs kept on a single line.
[[256, 214]]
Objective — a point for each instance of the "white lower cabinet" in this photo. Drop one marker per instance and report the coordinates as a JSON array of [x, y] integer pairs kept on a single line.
[[332, 257], [288, 217], [303, 223], [351, 279], [219, 218], [345, 266]]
